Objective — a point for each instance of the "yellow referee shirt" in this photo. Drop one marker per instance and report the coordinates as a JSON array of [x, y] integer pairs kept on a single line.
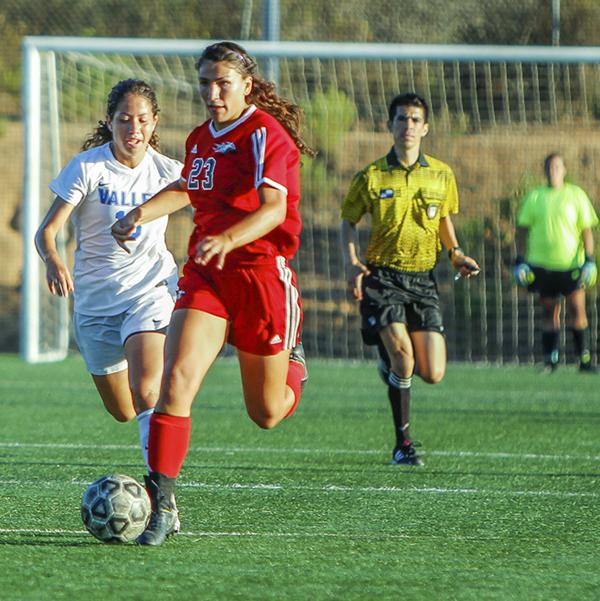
[[406, 206]]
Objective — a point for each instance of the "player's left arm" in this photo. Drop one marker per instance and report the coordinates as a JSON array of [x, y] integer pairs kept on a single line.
[[589, 271], [588, 241], [465, 265], [271, 213]]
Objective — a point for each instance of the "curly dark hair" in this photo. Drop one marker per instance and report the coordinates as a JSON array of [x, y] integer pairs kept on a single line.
[[263, 93], [102, 133]]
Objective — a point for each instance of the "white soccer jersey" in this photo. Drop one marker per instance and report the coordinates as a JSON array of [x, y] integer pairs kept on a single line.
[[107, 278]]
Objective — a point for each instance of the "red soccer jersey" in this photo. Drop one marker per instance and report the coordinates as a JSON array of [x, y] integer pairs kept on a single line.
[[223, 170]]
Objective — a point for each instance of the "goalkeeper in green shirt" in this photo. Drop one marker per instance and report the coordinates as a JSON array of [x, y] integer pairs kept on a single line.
[[555, 257]]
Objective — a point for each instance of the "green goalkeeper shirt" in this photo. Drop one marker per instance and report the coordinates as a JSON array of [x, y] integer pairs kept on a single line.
[[556, 219]]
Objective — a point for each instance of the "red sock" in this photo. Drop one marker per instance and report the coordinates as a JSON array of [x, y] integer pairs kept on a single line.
[[168, 443], [294, 381]]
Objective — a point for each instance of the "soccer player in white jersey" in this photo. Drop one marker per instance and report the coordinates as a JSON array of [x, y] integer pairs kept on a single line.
[[122, 302]]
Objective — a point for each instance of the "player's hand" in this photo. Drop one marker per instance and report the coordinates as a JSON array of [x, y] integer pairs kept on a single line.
[[589, 274], [355, 274], [126, 230], [522, 274], [465, 266], [213, 247], [58, 277]]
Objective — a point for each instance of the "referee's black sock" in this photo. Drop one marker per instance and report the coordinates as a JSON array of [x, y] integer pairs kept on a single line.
[[550, 342], [581, 339], [399, 395]]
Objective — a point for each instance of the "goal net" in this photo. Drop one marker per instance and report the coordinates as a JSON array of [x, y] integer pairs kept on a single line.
[[495, 113]]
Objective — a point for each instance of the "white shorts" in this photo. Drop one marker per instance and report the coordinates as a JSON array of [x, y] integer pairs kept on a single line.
[[101, 339]]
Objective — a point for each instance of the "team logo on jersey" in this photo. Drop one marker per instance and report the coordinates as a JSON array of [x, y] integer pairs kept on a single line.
[[102, 184], [432, 210], [194, 149], [386, 193], [224, 147]]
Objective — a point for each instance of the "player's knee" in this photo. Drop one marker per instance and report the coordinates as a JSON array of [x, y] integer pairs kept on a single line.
[[264, 419], [144, 397], [122, 415], [402, 361], [177, 385], [432, 375], [264, 414]]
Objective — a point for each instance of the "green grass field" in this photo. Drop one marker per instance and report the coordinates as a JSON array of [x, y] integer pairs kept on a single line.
[[506, 506]]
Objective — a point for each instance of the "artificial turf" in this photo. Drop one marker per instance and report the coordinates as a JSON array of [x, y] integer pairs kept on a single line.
[[505, 507]]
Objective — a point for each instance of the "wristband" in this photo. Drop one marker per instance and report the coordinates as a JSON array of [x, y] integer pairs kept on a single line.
[[519, 259], [590, 259], [453, 250]]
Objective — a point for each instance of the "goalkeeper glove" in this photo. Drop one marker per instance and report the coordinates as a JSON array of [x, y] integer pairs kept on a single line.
[[522, 273], [588, 274]]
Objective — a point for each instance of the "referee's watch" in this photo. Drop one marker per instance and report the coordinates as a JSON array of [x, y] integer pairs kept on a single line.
[[455, 249]]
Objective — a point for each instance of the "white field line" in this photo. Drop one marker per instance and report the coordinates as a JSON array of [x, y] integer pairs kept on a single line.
[[332, 488], [209, 534], [303, 451]]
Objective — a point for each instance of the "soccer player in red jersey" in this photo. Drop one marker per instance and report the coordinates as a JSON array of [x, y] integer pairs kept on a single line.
[[242, 176]]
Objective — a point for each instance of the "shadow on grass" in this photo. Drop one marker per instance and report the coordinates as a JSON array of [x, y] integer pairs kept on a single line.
[[45, 540]]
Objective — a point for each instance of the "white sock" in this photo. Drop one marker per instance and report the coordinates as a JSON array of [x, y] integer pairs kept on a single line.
[[143, 420]]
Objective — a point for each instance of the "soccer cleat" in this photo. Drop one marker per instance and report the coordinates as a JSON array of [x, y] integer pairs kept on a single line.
[[405, 455], [164, 520], [297, 355]]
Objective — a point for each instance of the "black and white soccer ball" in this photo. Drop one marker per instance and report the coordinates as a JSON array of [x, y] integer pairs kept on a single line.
[[115, 508]]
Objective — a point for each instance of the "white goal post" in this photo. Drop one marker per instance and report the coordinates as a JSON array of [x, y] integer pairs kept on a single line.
[[505, 101]]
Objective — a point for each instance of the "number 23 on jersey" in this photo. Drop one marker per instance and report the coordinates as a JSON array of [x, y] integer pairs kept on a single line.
[[201, 174]]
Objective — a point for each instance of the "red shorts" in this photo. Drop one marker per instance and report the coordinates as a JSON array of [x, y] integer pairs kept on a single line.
[[261, 303]]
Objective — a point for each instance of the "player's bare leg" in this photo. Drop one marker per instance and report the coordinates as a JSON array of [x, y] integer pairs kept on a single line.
[[399, 347], [116, 395], [430, 355], [193, 343], [550, 331], [145, 357], [272, 386]]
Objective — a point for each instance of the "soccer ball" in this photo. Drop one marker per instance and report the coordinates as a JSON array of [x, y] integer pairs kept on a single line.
[[115, 508]]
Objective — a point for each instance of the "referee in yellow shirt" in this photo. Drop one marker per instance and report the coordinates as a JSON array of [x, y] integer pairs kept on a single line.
[[409, 197], [555, 226]]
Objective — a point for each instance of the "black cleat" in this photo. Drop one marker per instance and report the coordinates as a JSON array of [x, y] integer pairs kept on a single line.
[[164, 520], [162, 524], [405, 455], [297, 355]]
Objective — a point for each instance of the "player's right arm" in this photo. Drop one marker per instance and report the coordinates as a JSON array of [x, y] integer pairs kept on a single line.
[[168, 200], [522, 274], [354, 207], [58, 276], [355, 269]]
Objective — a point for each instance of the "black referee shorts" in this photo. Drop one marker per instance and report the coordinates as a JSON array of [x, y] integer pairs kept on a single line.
[[392, 296], [552, 284]]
